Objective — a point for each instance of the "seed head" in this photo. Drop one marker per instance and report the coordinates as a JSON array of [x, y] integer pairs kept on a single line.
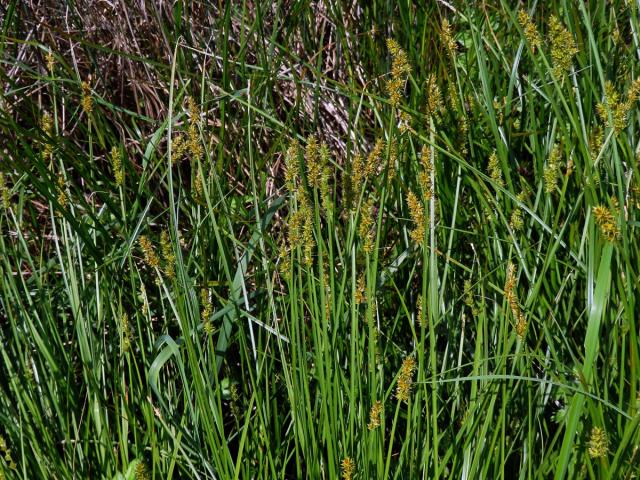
[[416, 210], [563, 47], [51, 62], [348, 468], [598, 443], [495, 171], [447, 38], [435, 105], [374, 415], [116, 165], [607, 222], [405, 380], [530, 30], [360, 294], [87, 99], [366, 227], [400, 69], [150, 256], [5, 193]]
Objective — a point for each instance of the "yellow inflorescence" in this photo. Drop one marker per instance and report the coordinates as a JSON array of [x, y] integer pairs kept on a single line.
[[607, 222], [400, 69], [150, 256], [360, 294], [563, 47], [87, 99], [366, 227], [512, 299], [374, 415], [405, 380], [530, 30], [495, 172], [425, 176], [447, 37], [116, 165], [552, 170], [167, 255], [598, 443], [435, 105], [416, 210], [62, 192], [517, 222], [313, 161], [46, 124], [4, 192], [613, 112], [206, 311], [374, 160], [348, 468], [51, 62]]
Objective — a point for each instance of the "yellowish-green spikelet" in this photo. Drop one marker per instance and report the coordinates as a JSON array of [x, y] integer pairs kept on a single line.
[[46, 124], [87, 99], [348, 467], [400, 69], [434, 104], [530, 30], [374, 160], [495, 171], [150, 256], [416, 210], [422, 316], [142, 472], [116, 165], [5, 193], [51, 61], [563, 47], [512, 298], [5, 451], [425, 176], [598, 446], [613, 111], [206, 309], [366, 227], [393, 159], [606, 220], [126, 332], [194, 145], [292, 166], [284, 264], [360, 293], [447, 38], [405, 379], [517, 222], [357, 172], [62, 192], [308, 240], [552, 170], [313, 161], [374, 415], [167, 255]]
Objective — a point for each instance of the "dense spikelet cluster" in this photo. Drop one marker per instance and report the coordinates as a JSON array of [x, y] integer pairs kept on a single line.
[[206, 309], [563, 47], [598, 443], [292, 166], [530, 30], [366, 229], [434, 104], [4, 192], [62, 192], [416, 210], [116, 166], [374, 415], [400, 69], [142, 472], [374, 159], [613, 111], [425, 177], [517, 222], [512, 299], [393, 159], [150, 256], [552, 170], [313, 161], [447, 38], [126, 332], [405, 379], [325, 179], [495, 171], [360, 295], [422, 317], [46, 123], [348, 467], [167, 255], [87, 99], [193, 138], [606, 220], [6, 452], [50, 61]]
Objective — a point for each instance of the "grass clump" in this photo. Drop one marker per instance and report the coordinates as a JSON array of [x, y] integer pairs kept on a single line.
[[315, 240]]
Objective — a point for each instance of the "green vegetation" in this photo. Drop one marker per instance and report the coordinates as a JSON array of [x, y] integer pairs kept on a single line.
[[319, 240]]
